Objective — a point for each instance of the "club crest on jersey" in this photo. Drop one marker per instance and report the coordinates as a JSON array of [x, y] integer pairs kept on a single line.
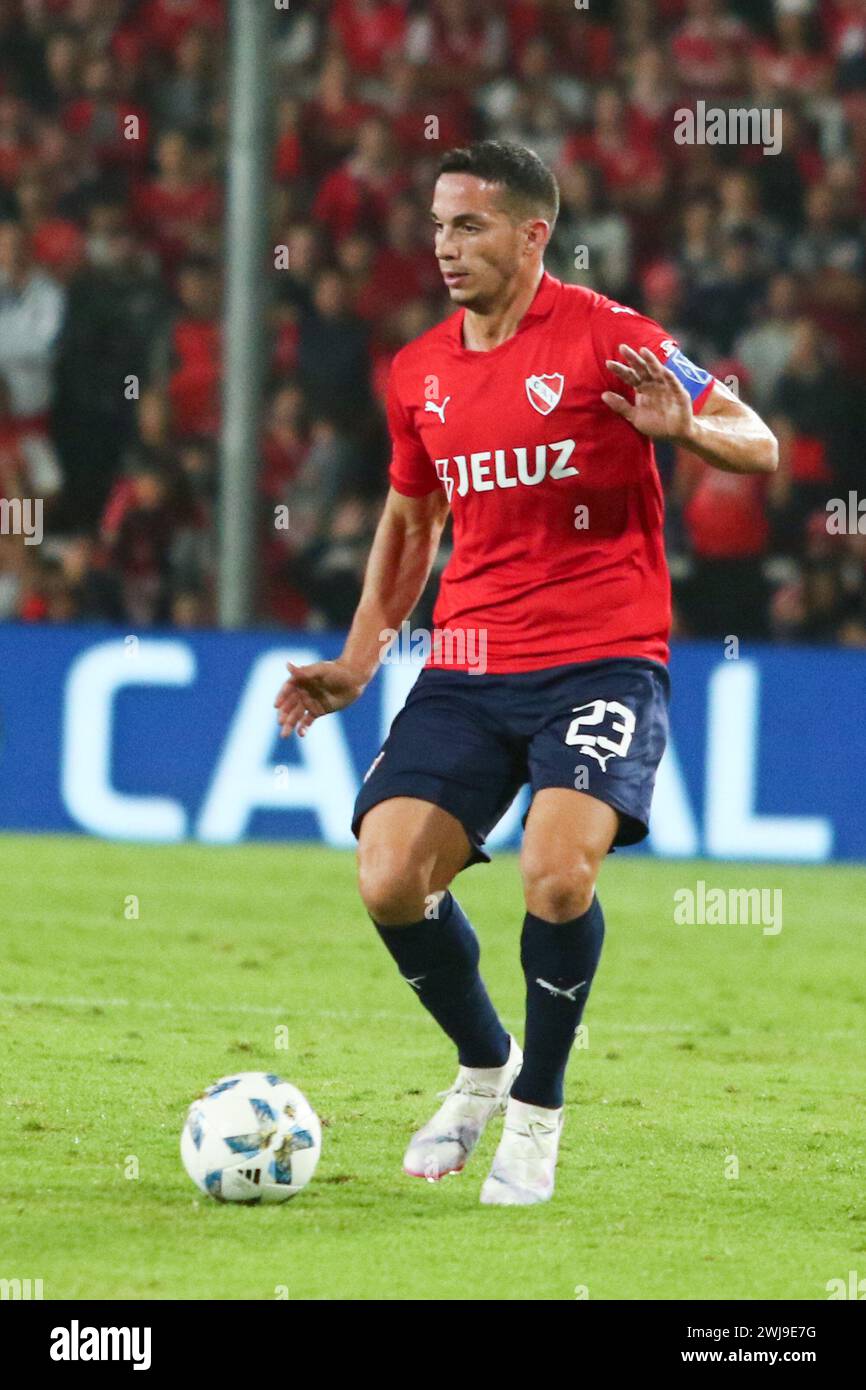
[[545, 392]]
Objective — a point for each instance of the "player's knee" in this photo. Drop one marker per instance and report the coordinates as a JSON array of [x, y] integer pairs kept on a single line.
[[559, 892], [392, 890]]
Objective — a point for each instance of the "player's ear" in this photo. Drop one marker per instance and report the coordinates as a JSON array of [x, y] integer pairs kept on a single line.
[[538, 234]]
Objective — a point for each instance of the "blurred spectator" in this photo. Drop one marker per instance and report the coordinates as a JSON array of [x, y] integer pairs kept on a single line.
[[698, 248], [356, 196], [535, 105], [116, 312], [818, 420], [138, 536], [534, 76], [329, 529], [740, 212], [300, 29], [632, 170], [404, 98], [651, 98], [93, 591], [765, 349], [368, 31], [710, 49], [67, 164], [826, 601], [729, 293], [31, 312], [402, 268], [190, 609], [160, 26], [827, 250], [458, 42], [791, 63], [333, 115], [354, 257], [153, 444], [785, 177], [333, 362], [289, 151], [191, 354], [16, 151], [846, 24], [57, 243], [591, 243], [183, 97], [304, 255], [403, 326], [44, 595], [29, 466], [336, 564], [193, 552], [176, 210], [662, 296], [22, 54], [285, 441], [115, 128], [15, 558], [63, 57]]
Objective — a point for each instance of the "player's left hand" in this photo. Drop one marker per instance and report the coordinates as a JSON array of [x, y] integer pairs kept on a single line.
[[662, 407]]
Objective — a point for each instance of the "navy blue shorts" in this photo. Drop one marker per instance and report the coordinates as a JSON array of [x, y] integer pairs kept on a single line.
[[468, 743]]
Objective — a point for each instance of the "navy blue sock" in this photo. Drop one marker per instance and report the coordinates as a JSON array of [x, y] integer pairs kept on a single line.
[[439, 959], [559, 961]]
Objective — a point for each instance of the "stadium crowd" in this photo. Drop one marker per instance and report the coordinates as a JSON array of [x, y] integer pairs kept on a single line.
[[113, 122]]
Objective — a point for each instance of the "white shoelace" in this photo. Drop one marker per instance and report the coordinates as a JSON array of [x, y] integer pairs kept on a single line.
[[524, 1151], [465, 1086], [536, 1128]]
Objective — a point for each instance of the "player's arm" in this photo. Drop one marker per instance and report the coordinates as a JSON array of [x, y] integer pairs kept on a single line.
[[398, 568], [727, 433], [401, 558]]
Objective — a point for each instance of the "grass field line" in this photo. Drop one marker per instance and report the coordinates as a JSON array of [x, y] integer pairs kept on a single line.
[[79, 1001], [129, 881]]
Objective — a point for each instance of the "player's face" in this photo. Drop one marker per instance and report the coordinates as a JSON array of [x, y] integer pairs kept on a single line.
[[478, 247]]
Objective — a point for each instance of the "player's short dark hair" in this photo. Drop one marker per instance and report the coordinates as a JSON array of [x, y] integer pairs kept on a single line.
[[530, 187]]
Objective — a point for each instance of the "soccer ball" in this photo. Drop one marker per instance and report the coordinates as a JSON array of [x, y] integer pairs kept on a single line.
[[251, 1138]]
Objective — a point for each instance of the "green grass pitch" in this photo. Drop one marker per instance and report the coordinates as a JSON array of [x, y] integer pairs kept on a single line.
[[706, 1043]]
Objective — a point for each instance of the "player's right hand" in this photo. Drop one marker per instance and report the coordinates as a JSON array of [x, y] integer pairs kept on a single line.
[[314, 690]]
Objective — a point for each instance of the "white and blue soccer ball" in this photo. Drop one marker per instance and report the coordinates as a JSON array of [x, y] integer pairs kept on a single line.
[[251, 1137]]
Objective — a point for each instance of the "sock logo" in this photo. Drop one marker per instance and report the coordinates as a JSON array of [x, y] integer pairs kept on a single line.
[[563, 993], [415, 982]]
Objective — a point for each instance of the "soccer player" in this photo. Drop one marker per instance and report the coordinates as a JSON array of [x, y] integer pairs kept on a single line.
[[529, 414]]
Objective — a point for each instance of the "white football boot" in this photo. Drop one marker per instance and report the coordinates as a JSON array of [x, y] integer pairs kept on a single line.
[[445, 1143], [524, 1165]]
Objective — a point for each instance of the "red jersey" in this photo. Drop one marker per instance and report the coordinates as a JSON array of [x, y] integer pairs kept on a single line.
[[556, 501]]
